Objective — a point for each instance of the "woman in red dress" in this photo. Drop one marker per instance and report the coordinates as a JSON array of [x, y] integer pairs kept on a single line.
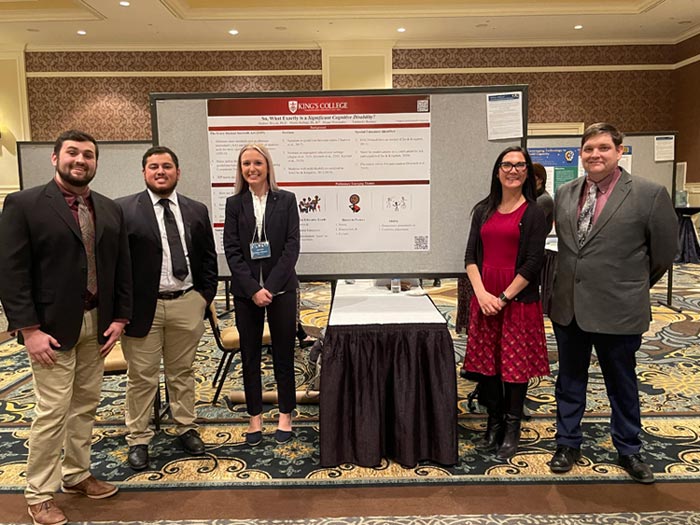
[[506, 343]]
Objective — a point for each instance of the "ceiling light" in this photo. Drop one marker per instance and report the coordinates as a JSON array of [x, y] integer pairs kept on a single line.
[[125, 4], [579, 26], [401, 29], [82, 33], [233, 32]]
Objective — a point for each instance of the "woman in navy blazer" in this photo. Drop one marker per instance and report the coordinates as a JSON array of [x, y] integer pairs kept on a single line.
[[261, 242]]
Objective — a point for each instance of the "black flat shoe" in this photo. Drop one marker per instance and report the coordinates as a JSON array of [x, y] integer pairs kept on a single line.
[[305, 343], [138, 457], [563, 459], [192, 443], [253, 438], [636, 468], [282, 436]]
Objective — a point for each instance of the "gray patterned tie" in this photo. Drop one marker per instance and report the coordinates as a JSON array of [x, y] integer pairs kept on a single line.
[[87, 231], [585, 218]]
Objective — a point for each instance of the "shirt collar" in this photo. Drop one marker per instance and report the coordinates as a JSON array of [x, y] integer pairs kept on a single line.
[[69, 195], [605, 184], [156, 198], [254, 196]]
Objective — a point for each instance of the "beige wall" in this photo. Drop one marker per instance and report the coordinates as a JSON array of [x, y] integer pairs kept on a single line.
[[14, 118]]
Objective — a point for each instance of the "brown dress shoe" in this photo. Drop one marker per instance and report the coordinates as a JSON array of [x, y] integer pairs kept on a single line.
[[47, 513], [92, 487]]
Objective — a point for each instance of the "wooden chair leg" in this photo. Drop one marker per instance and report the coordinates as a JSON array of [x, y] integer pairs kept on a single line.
[[226, 361]]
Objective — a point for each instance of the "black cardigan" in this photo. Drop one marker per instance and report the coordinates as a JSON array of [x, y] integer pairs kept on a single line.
[[533, 234]]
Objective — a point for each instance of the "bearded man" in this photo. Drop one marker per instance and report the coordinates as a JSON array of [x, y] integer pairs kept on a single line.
[[65, 284], [175, 278]]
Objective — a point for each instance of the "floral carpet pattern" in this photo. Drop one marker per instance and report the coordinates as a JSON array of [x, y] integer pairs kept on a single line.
[[621, 518], [669, 381]]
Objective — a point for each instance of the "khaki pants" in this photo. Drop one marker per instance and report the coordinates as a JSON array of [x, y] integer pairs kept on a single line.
[[67, 395], [175, 333]]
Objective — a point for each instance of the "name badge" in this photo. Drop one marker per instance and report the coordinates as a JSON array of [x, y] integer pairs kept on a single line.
[[260, 250]]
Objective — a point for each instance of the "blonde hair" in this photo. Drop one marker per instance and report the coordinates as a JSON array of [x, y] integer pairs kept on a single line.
[[241, 184]]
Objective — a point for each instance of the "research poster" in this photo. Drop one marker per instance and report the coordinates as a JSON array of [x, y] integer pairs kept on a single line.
[[359, 166], [561, 164]]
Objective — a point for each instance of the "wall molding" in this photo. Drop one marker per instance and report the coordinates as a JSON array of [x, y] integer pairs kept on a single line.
[[317, 72], [555, 128], [546, 69], [110, 48], [115, 74]]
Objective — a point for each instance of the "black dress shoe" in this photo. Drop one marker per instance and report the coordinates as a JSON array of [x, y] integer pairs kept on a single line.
[[564, 458], [138, 457], [253, 438], [282, 436], [192, 443], [636, 468]]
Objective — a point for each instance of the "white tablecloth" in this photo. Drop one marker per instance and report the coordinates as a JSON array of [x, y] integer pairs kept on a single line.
[[363, 303]]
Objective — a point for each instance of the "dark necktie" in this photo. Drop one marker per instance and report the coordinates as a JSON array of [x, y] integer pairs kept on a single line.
[[585, 218], [177, 254], [87, 232]]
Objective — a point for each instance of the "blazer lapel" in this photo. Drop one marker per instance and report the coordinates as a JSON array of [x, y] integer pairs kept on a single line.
[[272, 198], [58, 203], [248, 213], [146, 207], [618, 195], [99, 223], [187, 219], [572, 207]]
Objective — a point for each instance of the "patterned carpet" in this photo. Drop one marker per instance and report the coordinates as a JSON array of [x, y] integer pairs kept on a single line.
[[636, 518], [669, 375]]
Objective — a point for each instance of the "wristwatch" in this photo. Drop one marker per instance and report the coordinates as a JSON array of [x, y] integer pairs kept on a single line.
[[503, 297]]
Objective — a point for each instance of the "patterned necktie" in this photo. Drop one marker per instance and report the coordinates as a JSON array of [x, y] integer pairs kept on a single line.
[[177, 254], [585, 219], [87, 232]]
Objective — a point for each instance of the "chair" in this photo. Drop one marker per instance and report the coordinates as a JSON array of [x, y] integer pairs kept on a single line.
[[229, 342], [115, 364]]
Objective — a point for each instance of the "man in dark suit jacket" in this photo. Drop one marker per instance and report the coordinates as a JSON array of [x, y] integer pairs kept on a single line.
[[65, 284], [175, 278], [618, 235]]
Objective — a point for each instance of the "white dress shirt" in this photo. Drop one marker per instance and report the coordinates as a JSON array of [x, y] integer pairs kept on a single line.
[[168, 282]]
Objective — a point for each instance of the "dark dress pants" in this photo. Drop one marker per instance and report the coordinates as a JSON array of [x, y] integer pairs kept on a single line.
[[281, 318], [616, 355]]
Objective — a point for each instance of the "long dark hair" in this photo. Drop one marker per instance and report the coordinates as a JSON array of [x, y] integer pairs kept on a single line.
[[491, 202]]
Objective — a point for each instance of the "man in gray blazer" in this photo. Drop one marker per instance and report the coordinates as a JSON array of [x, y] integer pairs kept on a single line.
[[618, 235]]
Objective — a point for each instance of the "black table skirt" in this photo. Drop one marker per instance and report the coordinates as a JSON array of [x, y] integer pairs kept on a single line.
[[688, 240], [388, 391]]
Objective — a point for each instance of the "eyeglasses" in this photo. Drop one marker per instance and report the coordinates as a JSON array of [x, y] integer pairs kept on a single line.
[[508, 166]]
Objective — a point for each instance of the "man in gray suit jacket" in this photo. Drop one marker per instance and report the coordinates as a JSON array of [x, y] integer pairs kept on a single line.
[[618, 235]]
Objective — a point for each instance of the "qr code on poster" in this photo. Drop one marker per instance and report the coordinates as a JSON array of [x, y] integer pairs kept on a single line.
[[420, 242], [423, 105]]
